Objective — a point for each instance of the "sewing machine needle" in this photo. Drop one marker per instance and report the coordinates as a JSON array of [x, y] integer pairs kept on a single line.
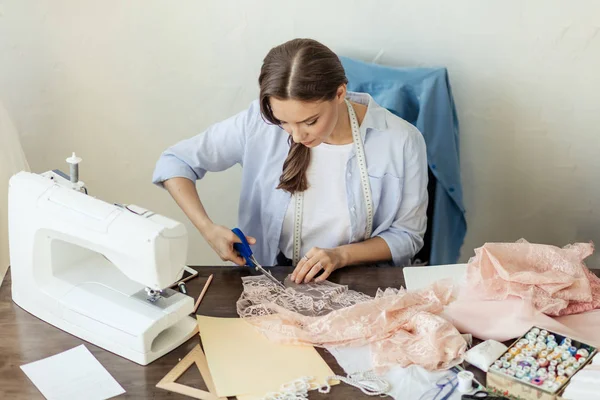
[[267, 273]]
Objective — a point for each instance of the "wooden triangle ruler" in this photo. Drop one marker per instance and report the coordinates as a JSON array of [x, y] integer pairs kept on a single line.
[[196, 356]]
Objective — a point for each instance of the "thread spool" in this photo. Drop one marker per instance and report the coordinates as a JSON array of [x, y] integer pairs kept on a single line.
[[571, 360], [583, 353], [538, 381], [465, 381], [519, 357], [74, 167], [541, 346], [520, 374], [528, 353], [573, 350], [561, 379]]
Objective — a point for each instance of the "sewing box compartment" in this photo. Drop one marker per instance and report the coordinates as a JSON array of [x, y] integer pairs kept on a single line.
[[538, 365]]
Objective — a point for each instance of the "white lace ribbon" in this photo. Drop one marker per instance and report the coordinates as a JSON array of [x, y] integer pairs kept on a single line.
[[368, 382]]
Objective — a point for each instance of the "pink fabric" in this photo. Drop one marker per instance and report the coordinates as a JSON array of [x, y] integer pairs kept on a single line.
[[504, 320], [555, 280], [403, 327], [509, 288], [585, 325]]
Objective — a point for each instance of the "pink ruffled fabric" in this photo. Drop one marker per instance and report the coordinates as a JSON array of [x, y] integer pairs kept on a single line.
[[555, 280], [402, 327]]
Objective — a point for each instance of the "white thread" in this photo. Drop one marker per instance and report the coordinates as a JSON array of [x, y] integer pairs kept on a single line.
[[369, 383], [295, 390], [465, 381]]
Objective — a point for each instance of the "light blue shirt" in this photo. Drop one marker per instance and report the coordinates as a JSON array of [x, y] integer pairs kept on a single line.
[[396, 162]]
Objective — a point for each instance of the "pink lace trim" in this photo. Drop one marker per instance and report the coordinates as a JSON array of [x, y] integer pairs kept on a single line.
[[402, 327]]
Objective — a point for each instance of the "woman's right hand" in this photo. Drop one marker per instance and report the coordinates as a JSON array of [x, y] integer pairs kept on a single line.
[[221, 239]]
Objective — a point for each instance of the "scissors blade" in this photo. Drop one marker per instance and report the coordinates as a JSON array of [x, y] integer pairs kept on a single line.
[[266, 273]]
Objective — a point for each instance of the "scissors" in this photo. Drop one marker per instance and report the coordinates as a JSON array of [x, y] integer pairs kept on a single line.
[[482, 394], [444, 388], [245, 251]]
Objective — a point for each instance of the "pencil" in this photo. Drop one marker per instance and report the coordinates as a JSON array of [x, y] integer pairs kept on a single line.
[[202, 293]]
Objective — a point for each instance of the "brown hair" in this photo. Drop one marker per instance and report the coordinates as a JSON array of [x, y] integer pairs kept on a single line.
[[305, 70]]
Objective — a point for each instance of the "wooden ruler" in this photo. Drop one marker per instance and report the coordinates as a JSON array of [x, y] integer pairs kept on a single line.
[[196, 356]]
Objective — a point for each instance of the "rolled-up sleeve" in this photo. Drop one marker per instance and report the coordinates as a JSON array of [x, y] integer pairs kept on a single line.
[[218, 148], [405, 236]]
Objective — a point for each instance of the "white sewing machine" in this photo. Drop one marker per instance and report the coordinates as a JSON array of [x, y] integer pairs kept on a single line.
[[98, 270]]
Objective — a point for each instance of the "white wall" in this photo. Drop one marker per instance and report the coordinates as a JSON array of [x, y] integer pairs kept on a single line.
[[12, 160], [118, 82]]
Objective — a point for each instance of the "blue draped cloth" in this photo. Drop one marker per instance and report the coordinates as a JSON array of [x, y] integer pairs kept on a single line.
[[423, 97]]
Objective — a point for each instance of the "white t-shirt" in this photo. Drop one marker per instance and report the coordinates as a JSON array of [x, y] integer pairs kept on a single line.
[[326, 219]]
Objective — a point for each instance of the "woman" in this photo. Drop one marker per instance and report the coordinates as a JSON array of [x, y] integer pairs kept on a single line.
[[329, 177]]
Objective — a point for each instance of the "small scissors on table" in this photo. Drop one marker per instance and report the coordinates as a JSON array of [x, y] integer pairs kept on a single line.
[[444, 388], [482, 394]]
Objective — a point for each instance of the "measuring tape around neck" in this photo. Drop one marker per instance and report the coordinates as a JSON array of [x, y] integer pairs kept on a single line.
[[364, 180]]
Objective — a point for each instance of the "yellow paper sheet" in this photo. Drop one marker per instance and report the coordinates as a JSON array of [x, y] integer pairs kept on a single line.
[[246, 364]]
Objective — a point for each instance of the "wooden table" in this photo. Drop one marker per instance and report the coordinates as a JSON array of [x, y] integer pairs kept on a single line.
[[24, 338]]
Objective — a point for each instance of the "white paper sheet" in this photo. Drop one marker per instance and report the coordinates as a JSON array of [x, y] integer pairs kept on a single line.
[[421, 277], [73, 374]]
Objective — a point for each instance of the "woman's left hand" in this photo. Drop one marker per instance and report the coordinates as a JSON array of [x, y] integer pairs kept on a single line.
[[315, 260]]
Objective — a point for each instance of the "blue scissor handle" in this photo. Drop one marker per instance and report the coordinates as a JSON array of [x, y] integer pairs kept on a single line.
[[244, 247]]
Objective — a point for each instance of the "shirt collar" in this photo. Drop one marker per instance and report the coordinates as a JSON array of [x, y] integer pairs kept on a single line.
[[375, 117]]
